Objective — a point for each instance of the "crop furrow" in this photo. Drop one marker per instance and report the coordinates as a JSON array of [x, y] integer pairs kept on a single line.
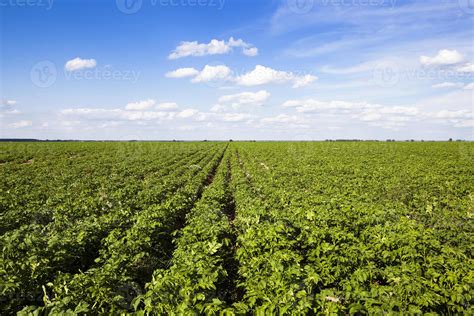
[[52, 253], [129, 257]]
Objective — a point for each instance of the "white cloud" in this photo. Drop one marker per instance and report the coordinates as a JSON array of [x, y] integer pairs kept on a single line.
[[187, 113], [469, 86], [447, 114], [458, 99], [218, 108], [183, 73], [79, 63], [140, 106], [467, 68], [9, 102], [259, 76], [7, 107], [251, 52], [376, 114], [311, 105], [283, 119], [214, 47], [213, 73], [444, 57], [234, 117], [465, 123], [264, 75], [244, 98], [118, 114], [459, 119], [21, 124], [448, 85], [166, 106], [304, 81]]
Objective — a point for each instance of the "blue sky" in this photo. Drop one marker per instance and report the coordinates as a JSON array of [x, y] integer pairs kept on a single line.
[[240, 69]]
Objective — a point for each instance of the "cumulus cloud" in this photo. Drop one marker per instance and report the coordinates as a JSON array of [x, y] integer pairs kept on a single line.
[[21, 124], [166, 106], [375, 114], [390, 117], [234, 117], [304, 81], [213, 73], [117, 114], [182, 73], [214, 47], [147, 110], [79, 63], [312, 105], [8, 107], [8, 102], [264, 75], [141, 105], [251, 52], [187, 113], [447, 114], [459, 118], [444, 57], [244, 99], [469, 86], [467, 68], [261, 75]]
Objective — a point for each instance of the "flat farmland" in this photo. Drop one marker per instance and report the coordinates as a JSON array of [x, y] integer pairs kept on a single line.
[[236, 228]]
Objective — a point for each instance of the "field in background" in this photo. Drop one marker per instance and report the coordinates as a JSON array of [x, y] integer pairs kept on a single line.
[[209, 228]]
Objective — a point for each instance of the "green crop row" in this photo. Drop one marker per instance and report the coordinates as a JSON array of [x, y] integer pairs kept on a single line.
[[237, 229]]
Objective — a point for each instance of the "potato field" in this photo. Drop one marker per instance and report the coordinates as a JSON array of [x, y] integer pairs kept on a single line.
[[236, 228]]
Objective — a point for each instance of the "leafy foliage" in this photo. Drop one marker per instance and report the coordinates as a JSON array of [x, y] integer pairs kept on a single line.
[[240, 228]]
